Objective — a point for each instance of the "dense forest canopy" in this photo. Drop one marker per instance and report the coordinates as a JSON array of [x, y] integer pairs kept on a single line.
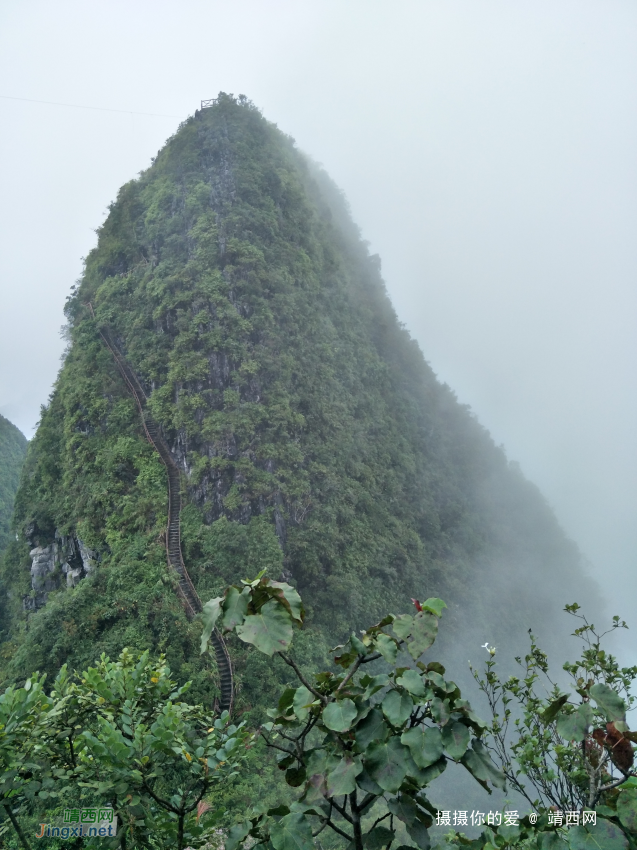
[[13, 448], [314, 439]]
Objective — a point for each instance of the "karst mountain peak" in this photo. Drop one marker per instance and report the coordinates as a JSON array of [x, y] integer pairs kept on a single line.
[[272, 389]]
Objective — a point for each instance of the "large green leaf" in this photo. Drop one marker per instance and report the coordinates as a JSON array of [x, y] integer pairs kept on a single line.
[[303, 698], [316, 761], [295, 776], [608, 701], [358, 645], [210, 615], [412, 681], [425, 745], [237, 834], [290, 598], [316, 788], [387, 647], [552, 710], [511, 833], [603, 835], [440, 710], [397, 707], [404, 808], [286, 699], [419, 834], [550, 841], [437, 680], [373, 684], [235, 607], [378, 837], [423, 633], [338, 715], [388, 763], [574, 726], [342, 780], [455, 738], [478, 762], [627, 808], [434, 605], [372, 728], [270, 630], [293, 832], [368, 785], [403, 625], [426, 776]]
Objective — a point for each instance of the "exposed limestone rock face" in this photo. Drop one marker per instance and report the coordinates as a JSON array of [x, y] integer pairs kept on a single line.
[[66, 556], [89, 558], [43, 579]]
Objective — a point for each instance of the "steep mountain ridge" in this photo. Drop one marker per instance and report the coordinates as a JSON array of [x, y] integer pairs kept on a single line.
[[315, 440], [13, 448]]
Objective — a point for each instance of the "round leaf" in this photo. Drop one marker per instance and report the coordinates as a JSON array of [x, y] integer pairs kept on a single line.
[[425, 745], [338, 715], [402, 626], [387, 648], [372, 728], [270, 630], [303, 698], [316, 788], [404, 808], [295, 776], [237, 835], [608, 701], [627, 808], [603, 835], [388, 763], [378, 837], [550, 841], [574, 726], [342, 780], [455, 738], [440, 710], [419, 834], [293, 832], [428, 774], [412, 681], [397, 707], [434, 605], [423, 633]]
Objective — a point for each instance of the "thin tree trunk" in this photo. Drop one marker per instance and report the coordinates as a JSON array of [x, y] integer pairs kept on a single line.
[[17, 827], [180, 832], [356, 821]]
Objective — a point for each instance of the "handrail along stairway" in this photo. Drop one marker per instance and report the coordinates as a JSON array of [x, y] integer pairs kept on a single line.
[[185, 588]]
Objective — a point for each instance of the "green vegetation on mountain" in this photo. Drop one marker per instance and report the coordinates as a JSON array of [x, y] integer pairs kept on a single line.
[[314, 439], [13, 448]]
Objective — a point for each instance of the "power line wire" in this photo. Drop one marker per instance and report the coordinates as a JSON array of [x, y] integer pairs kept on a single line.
[[97, 108]]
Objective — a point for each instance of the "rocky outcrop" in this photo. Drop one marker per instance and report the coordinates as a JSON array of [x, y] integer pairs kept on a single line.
[[67, 560]]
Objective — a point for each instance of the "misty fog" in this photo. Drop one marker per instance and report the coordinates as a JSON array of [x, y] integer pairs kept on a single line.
[[486, 149]]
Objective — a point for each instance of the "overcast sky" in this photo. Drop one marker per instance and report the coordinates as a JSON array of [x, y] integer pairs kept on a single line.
[[488, 150]]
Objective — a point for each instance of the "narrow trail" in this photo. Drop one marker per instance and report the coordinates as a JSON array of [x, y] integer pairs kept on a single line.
[[185, 588]]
